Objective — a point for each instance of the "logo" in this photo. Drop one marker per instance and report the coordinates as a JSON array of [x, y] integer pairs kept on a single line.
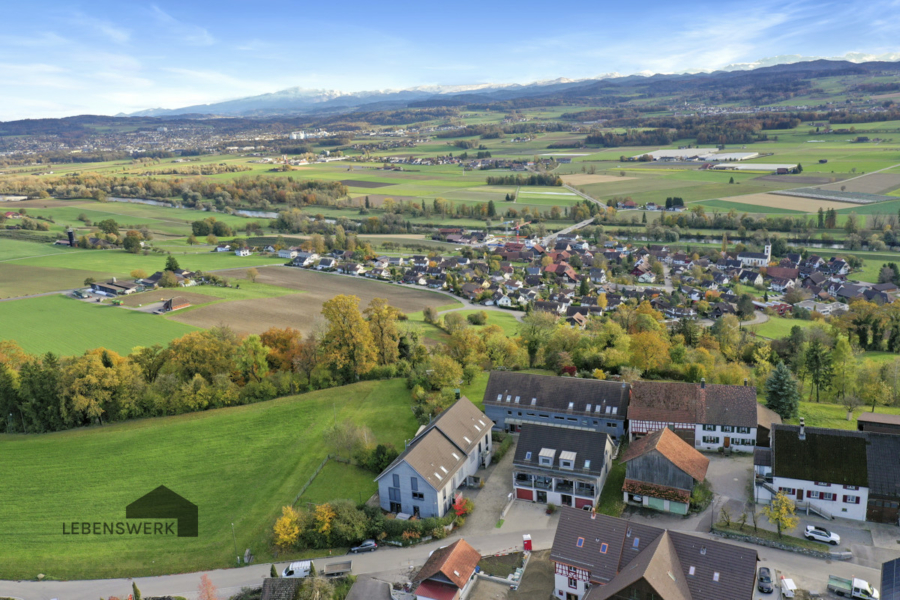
[[162, 504]]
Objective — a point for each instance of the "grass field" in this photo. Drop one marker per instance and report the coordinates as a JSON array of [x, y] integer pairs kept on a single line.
[[239, 465], [69, 327], [834, 416], [340, 481], [779, 327]]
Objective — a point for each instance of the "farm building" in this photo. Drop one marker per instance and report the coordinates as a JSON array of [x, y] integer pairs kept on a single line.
[[114, 288], [175, 303], [661, 472], [449, 572]]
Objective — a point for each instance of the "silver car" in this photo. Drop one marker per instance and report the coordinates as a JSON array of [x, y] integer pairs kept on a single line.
[[820, 534]]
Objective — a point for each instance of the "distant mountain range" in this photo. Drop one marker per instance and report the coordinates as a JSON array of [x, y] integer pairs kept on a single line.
[[299, 101]]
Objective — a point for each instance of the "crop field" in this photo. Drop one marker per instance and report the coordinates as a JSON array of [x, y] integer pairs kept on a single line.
[[302, 311], [874, 183], [69, 327], [117, 464], [741, 207], [794, 203]]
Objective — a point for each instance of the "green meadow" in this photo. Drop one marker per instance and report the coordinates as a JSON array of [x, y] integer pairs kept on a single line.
[[238, 465]]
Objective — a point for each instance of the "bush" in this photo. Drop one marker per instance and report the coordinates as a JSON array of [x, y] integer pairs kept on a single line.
[[502, 448], [479, 318], [701, 496]]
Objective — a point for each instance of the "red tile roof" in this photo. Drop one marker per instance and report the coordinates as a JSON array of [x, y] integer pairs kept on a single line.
[[455, 562], [675, 449]]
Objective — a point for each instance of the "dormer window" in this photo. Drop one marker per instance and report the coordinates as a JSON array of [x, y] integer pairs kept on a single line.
[[517, 399], [567, 460], [615, 409], [533, 401], [546, 457], [608, 409], [571, 405], [588, 408]]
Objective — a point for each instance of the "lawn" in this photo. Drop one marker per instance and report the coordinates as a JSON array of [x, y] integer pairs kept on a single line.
[[239, 465], [779, 327], [611, 502], [338, 480], [834, 416], [69, 327]]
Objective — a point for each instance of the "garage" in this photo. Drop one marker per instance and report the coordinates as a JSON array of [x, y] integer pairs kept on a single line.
[[523, 494]]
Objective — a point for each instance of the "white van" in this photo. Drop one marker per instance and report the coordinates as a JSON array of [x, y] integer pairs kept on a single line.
[[301, 568]]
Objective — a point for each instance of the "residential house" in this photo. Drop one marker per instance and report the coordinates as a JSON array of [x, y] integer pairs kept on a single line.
[[242, 252], [707, 417], [513, 399], [598, 557], [326, 264], [423, 480], [661, 471], [449, 573], [288, 253], [829, 471], [551, 307], [598, 276], [878, 423], [565, 467], [351, 268], [223, 248], [305, 259], [748, 277]]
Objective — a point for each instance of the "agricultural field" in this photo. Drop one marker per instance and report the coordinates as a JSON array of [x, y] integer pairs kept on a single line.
[[779, 327], [301, 311], [270, 450], [67, 326]]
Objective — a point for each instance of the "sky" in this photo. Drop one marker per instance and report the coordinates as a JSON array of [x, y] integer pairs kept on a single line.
[[102, 57]]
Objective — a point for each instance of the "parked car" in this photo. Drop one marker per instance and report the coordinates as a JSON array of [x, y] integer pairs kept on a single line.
[[764, 581], [366, 546], [300, 568], [819, 534]]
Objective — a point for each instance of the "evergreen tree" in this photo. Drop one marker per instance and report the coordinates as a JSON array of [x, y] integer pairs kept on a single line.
[[9, 399], [644, 218], [171, 263], [781, 392], [584, 288], [821, 218], [492, 210], [367, 202], [273, 572], [135, 592], [818, 363]]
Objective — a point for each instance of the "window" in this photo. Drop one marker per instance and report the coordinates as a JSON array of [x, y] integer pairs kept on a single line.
[[604, 547], [710, 439], [851, 499], [573, 583], [743, 430], [611, 425], [830, 497], [823, 483], [851, 487], [716, 576], [396, 480], [637, 541], [558, 417], [530, 414], [787, 491], [528, 456], [587, 464], [692, 570], [709, 428], [418, 496], [520, 413], [580, 542], [543, 416], [727, 429], [812, 494], [414, 484], [597, 422], [509, 412], [571, 419]]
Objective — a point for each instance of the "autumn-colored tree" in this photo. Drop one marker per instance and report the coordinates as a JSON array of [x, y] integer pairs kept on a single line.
[[99, 383], [464, 346], [536, 329], [649, 351], [781, 513], [284, 346], [287, 528], [382, 318], [443, 372], [139, 274], [252, 274], [168, 280], [315, 588], [349, 349], [11, 354], [206, 353], [345, 437], [212, 240], [206, 591], [323, 518]]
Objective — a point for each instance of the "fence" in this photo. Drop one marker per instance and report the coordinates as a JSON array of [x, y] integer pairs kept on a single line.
[[312, 478]]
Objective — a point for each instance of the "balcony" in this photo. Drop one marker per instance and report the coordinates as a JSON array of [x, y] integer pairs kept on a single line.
[[543, 483], [564, 486], [523, 480], [585, 490]]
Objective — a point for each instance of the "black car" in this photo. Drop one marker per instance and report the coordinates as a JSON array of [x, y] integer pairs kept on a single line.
[[764, 581]]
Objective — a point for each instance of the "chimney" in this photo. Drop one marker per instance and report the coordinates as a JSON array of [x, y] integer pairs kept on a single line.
[[113, 279], [802, 435], [746, 381], [703, 383]]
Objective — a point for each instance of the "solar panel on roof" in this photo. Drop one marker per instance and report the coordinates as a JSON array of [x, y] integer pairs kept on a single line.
[[890, 580]]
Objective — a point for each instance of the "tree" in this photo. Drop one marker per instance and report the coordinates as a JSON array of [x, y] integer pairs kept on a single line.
[[273, 572], [192, 239], [287, 528], [843, 367], [382, 319], [781, 392], [649, 351], [285, 345], [252, 274], [491, 209], [250, 359], [212, 240], [139, 274], [347, 436], [172, 264], [135, 592], [444, 372], [584, 288], [818, 364], [453, 322], [168, 280], [536, 329], [315, 588], [109, 226], [781, 513], [872, 386], [132, 243], [206, 591], [745, 306], [349, 348], [89, 280]]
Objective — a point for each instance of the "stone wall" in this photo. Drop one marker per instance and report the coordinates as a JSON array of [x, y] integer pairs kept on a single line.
[[751, 539]]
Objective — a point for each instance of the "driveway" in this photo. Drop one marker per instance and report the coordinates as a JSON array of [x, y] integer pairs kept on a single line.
[[490, 500]]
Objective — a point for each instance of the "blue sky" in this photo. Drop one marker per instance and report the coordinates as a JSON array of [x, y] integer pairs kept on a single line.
[[67, 58]]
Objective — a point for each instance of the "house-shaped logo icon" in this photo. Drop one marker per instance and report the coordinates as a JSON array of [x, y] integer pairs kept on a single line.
[[163, 503]]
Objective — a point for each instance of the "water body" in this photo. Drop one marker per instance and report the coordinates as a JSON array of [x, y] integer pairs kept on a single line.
[[142, 201], [259, 214]]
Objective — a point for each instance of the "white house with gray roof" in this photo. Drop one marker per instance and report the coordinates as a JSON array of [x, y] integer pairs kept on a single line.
[[423, 480]]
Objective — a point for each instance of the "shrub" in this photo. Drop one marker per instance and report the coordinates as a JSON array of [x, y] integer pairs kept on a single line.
[[502, 448], [479, 318]]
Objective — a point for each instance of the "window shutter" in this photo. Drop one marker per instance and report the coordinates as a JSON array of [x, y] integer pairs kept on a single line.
[[857, 499], [845, 499], [834, 497], [809, 493]]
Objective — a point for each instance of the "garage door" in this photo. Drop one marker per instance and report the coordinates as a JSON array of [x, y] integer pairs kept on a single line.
[[656, 503], [523, 494], [582, 502]]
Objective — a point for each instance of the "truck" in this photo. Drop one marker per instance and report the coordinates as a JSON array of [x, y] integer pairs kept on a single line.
[[852, 588], [341, 569]]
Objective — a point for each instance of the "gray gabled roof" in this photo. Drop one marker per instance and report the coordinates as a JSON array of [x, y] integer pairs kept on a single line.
[[586, 445], [444, 446], [556, 393]]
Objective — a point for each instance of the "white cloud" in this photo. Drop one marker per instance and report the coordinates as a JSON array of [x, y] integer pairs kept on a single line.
[[106, 28], [191, 34]]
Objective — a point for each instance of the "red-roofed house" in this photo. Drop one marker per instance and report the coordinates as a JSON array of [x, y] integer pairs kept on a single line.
[[449, 572]]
